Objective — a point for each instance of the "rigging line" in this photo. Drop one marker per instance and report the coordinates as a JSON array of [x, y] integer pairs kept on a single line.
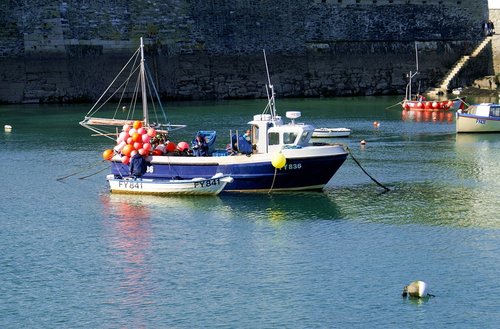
[[373, 179], [150, 80], [118, 169], [80, 171], [114, 93], [134, 55], [101, 170], [133, 68], [153, 106]]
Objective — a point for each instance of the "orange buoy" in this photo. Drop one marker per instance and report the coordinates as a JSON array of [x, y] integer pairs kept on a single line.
[[171, 146], [136, 137], [107, 155], [127, 149], [137, 124]]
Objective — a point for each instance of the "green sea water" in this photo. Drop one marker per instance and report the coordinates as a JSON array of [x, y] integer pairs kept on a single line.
[[75, 256]]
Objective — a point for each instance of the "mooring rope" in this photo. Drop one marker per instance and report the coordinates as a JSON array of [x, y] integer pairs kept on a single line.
[[274, 178], [367, 174], [101, 170], [400, 103], [80, 171]]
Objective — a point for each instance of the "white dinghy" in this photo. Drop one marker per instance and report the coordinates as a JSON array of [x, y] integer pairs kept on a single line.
[[195, 186], [331, 132]]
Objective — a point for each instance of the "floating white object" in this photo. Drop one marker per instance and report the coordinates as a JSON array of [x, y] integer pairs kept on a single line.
[[7, 127], [417, 289]]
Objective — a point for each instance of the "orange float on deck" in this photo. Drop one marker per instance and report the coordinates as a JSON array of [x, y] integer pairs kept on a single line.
[[171, 146], [127, 149], [107, 154], [137, 124]]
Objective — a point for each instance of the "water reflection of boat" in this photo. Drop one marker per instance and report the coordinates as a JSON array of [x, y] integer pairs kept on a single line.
[[479, 118], [283, 206], [276, 156], [436, 116]]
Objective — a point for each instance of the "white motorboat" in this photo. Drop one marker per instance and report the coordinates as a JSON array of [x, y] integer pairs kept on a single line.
[[331, 132], [480, 118]]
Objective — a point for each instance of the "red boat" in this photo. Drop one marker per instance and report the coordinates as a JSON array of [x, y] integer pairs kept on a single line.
[[445, 105]]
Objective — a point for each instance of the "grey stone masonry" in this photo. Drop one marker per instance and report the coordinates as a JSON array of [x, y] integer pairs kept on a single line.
[[63, 51]]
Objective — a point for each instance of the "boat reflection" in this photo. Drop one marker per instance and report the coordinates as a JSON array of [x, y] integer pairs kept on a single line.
[[427, 116], [128, 231], [278, 207]]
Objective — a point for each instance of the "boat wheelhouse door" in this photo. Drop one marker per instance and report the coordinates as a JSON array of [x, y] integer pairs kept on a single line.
[[260, 126]]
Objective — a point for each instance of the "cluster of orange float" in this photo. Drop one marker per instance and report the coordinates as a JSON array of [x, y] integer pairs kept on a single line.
[[132, 139], [428, 105], [135, 139]]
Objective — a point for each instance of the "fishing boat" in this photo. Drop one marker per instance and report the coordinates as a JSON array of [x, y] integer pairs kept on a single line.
[[419, 102], [277, 156], [195, 186], [479, 118], [331, 132]]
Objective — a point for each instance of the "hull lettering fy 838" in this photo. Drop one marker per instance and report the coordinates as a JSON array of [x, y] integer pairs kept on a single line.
[[292, 166], [207, 183]]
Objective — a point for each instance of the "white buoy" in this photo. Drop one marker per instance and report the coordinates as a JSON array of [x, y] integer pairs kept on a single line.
[[7, 128], [416, 289], [363, 142]]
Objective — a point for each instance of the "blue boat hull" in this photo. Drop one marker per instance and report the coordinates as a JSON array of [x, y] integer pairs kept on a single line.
[[298, 174]]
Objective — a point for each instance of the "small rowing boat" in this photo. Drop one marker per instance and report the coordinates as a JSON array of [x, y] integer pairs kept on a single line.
[[331, 132], [195, 186]]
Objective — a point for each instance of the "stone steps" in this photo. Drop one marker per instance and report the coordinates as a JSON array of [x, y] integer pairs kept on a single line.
[[443, 87]]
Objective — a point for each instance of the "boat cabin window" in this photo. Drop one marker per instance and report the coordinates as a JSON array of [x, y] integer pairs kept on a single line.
[[304, 138], [289, 137], [274, 139], [495, 111]]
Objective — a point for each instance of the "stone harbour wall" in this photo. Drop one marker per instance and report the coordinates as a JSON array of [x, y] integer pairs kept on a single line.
[[68, 51]]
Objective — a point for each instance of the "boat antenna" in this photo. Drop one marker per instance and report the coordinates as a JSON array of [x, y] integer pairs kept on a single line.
[[412, 74], [143, 87], [269, 90]]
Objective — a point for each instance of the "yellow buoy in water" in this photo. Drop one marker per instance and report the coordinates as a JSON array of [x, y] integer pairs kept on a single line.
[[278, 161]]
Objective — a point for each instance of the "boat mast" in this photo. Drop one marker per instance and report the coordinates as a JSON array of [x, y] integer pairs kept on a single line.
[[411, 75], [143, 87], [270, 90]]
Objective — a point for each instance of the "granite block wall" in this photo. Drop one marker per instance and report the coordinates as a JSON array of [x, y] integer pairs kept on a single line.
[[63, 51]]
